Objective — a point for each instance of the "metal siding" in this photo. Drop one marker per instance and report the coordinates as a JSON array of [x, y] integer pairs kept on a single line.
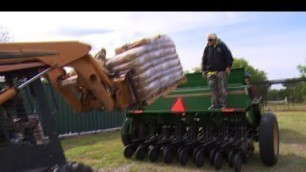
[[67, 121]]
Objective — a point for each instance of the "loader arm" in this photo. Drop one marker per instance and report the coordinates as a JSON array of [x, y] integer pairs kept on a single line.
[[91, 83]]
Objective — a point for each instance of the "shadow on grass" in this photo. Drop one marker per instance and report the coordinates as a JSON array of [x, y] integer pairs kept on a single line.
[[291, 137]]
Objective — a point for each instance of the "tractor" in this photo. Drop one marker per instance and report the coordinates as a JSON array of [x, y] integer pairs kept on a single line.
[[29, 140]]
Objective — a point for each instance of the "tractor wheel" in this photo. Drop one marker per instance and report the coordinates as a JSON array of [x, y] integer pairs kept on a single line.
[[218, 160], [183, 156], [199, 158], [231, 156], [244, 158], [237, 162], [128, 151], [79, 167], [72, 167], [153, 153], [125, 131], [269, 139], [195, 151], [87, 169], [141, 152], [212, 156], [180, 149], [168, 155]]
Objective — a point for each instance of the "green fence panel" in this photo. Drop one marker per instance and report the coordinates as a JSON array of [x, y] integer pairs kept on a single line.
[[66, 120]]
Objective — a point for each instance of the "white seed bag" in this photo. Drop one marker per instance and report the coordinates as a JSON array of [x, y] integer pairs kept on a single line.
[[153, 64]]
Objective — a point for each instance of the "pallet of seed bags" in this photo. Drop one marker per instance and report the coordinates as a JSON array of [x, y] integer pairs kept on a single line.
[[154, 66]]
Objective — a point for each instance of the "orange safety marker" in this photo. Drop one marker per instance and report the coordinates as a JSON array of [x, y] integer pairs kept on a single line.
[[178, 106]]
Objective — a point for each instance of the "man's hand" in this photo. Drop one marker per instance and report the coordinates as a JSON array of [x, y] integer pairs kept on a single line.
[[203, 74], [228, 70]]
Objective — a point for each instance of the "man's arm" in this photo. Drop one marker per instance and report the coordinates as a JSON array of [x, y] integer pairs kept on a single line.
[[228, 56], [203, 64], [204, 59], [228, 59]]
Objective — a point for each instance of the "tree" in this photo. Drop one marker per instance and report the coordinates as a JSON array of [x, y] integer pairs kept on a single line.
[[276, 94], [296, 91], [5, 35], [197, 69], [186, 71], [302, 69], [256, 74]]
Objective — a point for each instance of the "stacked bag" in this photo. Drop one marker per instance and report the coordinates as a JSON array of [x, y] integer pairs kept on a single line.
[[153, 63]]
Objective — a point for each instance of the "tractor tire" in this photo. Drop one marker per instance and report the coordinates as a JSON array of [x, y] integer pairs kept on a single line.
[[269, 139], [200, 158], [141, 152], [168, 154], [237, 162], [154, 153], [128, 151], [72, 167], [231, 157], [183, 156], [194, 153], [125, 131], [212, 156], [218, 160]]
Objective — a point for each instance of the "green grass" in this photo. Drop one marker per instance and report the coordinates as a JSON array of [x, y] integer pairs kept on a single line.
[[97, 150], [105, 150], [290, 107]]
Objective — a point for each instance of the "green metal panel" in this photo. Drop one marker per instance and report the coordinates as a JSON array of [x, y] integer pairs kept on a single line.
[[195, 79], [199, 99], [196, 98], [196, 95], [68, 121]]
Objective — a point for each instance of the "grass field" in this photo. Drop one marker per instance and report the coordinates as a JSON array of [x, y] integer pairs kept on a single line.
[[104, 151]]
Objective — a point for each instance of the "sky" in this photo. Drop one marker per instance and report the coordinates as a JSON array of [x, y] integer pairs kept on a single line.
[[274, 42]]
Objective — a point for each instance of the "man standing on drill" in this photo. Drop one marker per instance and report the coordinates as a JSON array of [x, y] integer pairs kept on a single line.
[[216, 65]]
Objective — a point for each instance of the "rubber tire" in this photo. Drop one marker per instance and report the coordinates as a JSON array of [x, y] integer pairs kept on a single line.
[[218, 160], [200, 158], [168, 155], [128, 151], [180, 149], [229, 154], [183, 156], [194, 154], [154, 153], [237, 162], [269, 139], [195, 151], [212, 156], [141, 152], [231, 158], [72, 167], [87, 169], [244, 158], [125, 129]]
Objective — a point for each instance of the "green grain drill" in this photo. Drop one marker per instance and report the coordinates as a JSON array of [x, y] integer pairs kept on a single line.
[[180, 127]]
